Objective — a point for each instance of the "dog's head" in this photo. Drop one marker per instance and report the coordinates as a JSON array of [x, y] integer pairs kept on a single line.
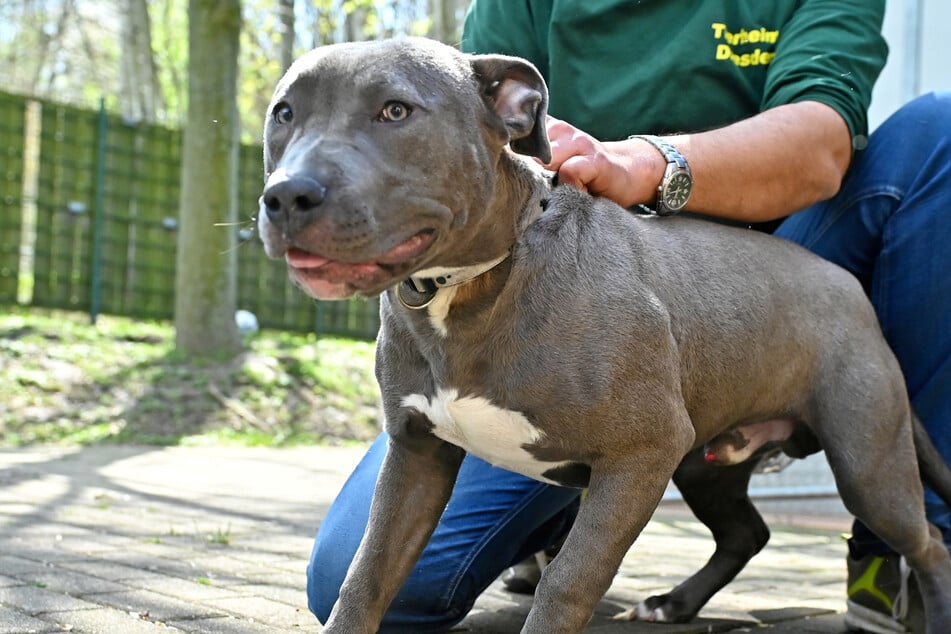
[[381, 160]]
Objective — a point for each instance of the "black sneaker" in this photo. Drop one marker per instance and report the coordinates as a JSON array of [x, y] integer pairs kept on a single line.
[[883, 596], [523, 577]]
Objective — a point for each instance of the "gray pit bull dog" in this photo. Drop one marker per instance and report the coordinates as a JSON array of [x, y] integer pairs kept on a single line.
[[560, 336]]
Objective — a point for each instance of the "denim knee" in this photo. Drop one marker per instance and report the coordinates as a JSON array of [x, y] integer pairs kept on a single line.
[[928, 109], [319, 600], [416, 609], [493, 519]]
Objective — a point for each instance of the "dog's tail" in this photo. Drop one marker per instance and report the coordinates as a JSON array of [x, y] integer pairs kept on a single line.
[[935, 472]]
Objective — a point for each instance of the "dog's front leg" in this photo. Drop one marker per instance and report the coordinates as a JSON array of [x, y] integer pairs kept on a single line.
[[621, 499], [413, 488]]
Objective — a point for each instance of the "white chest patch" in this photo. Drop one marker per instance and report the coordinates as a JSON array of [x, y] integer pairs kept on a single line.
[[439, 309], [494, 434]]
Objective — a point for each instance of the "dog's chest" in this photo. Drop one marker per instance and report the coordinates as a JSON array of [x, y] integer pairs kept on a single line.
[[499, 436]]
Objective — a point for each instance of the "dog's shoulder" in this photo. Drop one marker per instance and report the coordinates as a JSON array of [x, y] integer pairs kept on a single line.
[[576, 225], [584, 242], [569, 215]]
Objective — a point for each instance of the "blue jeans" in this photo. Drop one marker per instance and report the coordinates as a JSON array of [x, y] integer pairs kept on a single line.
[[890, 225], [494, 519]]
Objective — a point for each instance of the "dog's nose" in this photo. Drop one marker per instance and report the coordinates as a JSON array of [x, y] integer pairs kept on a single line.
[[297, 194]]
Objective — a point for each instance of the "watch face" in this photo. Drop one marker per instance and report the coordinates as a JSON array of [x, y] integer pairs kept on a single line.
[[677, 191]]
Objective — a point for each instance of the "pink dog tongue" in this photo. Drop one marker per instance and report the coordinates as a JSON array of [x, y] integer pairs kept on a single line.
[[316, 267], [303, 260], [300, 259]]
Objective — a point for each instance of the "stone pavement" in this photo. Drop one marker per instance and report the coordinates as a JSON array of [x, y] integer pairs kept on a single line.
[[148, 539]]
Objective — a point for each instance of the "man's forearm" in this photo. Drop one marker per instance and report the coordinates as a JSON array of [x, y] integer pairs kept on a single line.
[[770, 165], [761, 168]]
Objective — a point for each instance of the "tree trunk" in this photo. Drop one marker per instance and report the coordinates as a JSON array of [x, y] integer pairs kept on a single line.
[[206, 273], [138, 80], [285, 10], [47, 41], [354, 23], [445, 25]]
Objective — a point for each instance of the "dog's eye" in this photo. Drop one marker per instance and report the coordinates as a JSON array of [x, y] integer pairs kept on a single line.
[[283, 113], [395, 111]]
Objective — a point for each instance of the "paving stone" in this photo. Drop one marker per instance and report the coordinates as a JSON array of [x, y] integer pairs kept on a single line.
[[181, 566], [11, 505], [780, 615], [6, 582], [155, 606], [91, 544], [824, 624], [16, 622], [129, 576], [270, 559], [223, 625], [35, 600], [697, 626], [277, 544], [131, 553], [295, 595], [501, 612], [226, 565], [17, 566], [43, 526], [106, 569], [107, 619], [73, 583], [263, 610], [167, 548], [42, 490], [187, 589], [275, 578]]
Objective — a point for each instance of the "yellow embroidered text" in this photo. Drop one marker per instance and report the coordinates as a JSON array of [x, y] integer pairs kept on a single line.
[[729, 40]]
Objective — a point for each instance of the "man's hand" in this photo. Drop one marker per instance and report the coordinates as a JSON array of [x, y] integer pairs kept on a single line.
[[762, 168], [627, 172]]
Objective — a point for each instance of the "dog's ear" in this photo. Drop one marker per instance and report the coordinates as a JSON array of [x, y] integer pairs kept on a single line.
[[514, 90]]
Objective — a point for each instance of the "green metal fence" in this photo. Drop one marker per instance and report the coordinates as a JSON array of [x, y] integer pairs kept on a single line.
[[105, 215], [12, 114]]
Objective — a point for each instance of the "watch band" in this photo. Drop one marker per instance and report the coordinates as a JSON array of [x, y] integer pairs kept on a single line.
[[676, 164]]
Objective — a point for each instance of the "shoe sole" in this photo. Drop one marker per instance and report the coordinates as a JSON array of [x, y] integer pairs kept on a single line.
[[859, 618], [519, 586]]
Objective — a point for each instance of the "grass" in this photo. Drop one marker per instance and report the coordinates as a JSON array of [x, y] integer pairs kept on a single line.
[[122, 381], [221, 536]]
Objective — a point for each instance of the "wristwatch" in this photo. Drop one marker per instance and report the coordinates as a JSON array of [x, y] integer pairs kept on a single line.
[[677, 183]]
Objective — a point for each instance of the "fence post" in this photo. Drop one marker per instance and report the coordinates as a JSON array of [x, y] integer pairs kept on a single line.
[[96, 277], [319, 317]]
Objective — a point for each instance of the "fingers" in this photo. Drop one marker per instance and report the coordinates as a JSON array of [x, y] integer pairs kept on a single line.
[[566, 142], [573, 153], [603, 169], [577, 171]]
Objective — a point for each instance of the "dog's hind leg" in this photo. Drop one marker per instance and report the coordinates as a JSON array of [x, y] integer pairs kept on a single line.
[[876, 471], [717, 495]]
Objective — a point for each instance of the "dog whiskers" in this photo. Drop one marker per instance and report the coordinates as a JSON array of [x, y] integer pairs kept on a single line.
[[246, 233]]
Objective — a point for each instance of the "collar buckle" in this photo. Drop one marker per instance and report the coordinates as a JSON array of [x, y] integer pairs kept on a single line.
[[418, 291]]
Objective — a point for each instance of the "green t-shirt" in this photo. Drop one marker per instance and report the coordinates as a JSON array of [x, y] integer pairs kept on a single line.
[[621, 67]]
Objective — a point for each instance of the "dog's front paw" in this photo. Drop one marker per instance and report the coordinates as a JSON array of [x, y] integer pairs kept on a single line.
[[656, 609]]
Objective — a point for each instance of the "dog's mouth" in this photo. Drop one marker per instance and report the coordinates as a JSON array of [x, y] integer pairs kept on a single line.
[[326, 278]]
